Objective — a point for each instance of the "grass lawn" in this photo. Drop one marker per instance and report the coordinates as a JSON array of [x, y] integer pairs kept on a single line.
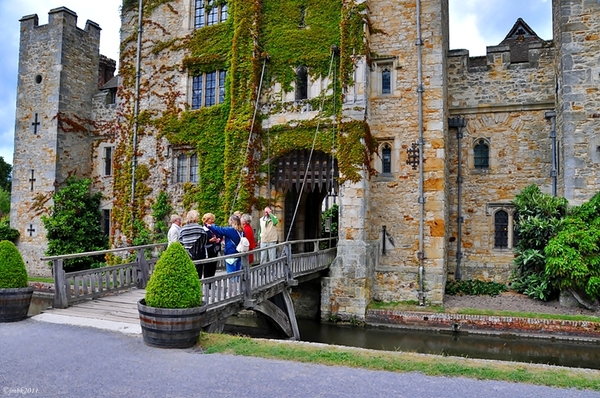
[[432, 365]]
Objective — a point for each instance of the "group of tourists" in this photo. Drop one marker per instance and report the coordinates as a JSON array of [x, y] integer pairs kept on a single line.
[[206, 240]]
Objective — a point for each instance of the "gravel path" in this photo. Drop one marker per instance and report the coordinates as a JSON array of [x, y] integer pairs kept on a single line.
[[512, 301]]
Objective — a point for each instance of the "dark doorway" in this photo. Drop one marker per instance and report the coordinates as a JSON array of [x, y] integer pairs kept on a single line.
[[321, 179]]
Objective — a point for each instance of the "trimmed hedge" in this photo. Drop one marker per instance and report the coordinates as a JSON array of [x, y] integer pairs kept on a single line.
[[13, 273], [174, 282]]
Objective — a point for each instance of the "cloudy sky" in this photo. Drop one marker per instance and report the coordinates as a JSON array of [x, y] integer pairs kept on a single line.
[[474, 24]]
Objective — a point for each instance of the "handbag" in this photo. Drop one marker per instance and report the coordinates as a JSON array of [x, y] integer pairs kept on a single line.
[[244, 244]]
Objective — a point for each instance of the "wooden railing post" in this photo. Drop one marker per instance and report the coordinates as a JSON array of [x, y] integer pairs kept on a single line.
[[61, 299], [246, 281], [143, 270], [287, 250]]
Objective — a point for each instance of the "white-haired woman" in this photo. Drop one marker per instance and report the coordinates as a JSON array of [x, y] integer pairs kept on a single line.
[[232, 235]]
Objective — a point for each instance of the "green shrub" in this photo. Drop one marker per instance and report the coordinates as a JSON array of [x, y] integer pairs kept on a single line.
[[174, 282], [538, 219], [13, 273], [474, 288], [6, 232], [573, 255]]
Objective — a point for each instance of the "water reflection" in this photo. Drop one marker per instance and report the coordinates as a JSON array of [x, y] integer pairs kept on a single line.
[[570, 354]]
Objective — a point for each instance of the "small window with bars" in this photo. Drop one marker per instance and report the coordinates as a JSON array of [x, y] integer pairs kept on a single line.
[[386, 159], [106, 222], [501, 229], [301, 83], [481, 155], [108, 160], [386, 81]]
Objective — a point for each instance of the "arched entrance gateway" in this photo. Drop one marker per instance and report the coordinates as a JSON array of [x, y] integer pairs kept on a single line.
[[307, 195]]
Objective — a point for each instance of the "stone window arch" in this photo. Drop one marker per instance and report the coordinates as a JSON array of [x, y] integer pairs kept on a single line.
[[481, 154], [384, 162], [384, 75], [386, 158], [504, 217]]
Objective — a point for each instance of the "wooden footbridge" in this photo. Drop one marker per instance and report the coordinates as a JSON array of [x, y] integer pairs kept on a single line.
[[264, 288]]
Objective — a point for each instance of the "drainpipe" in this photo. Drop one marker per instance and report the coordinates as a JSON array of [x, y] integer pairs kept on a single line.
[[459, 123], [136, 109], [552, 116], [420, 89]]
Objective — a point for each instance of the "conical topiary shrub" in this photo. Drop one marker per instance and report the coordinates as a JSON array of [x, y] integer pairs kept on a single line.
[[171, 315], [174, 282], [13, 273], [15, 294]]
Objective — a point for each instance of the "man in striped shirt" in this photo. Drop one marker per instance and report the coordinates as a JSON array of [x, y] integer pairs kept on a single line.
[[189, 234]]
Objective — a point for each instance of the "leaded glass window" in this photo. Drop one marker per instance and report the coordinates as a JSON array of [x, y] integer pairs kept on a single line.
[[181, 167], [386, 159], [501, 229], [481, 153], [386, 81]]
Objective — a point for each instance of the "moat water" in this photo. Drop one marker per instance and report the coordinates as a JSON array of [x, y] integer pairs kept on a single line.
[[574, 354]]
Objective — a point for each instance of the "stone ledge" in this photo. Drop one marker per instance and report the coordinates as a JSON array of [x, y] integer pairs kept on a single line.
[[484, 324]]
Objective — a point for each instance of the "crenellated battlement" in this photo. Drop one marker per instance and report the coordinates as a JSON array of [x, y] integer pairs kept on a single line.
[[60, 17], [518, 71]]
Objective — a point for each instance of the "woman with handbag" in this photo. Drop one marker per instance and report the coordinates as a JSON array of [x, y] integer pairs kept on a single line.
[[213, 245], [233, 235]]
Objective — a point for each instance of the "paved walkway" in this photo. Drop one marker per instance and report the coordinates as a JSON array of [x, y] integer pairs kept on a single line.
[[42, 359], [116, 312]]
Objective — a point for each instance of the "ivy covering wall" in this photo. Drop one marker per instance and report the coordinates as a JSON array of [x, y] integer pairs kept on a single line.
[[230, 148]]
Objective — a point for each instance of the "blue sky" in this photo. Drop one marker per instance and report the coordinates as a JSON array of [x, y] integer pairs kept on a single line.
[[474, 24]]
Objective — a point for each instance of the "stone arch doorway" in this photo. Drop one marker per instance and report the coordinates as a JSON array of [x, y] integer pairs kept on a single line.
[[321, 182]]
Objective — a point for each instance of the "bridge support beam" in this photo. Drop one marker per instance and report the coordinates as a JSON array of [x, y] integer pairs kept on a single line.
[[284, 319]]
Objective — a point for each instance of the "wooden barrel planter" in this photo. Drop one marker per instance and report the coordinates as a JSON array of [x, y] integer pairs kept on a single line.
[[170, 327], [14, 303]]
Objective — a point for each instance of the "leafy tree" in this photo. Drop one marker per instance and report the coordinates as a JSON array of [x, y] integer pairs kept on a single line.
[[74, 224], [539, 217], [6, 232], [4, 202], [573, 255], [5, 175]]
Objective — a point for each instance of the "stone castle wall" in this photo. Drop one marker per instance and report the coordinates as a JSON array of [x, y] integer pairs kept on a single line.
[[576, 32], [504, 104], [57, 86], [394, 120]]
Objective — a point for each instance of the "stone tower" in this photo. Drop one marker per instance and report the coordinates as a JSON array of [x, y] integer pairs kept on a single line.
[[576, 25], [58, 74], [405, 206]]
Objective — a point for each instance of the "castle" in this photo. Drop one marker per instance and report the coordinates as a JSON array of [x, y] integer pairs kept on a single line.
[[239, 104]]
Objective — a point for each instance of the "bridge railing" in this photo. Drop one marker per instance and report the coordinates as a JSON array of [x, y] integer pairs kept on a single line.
[[291, 261], [71, 287]]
